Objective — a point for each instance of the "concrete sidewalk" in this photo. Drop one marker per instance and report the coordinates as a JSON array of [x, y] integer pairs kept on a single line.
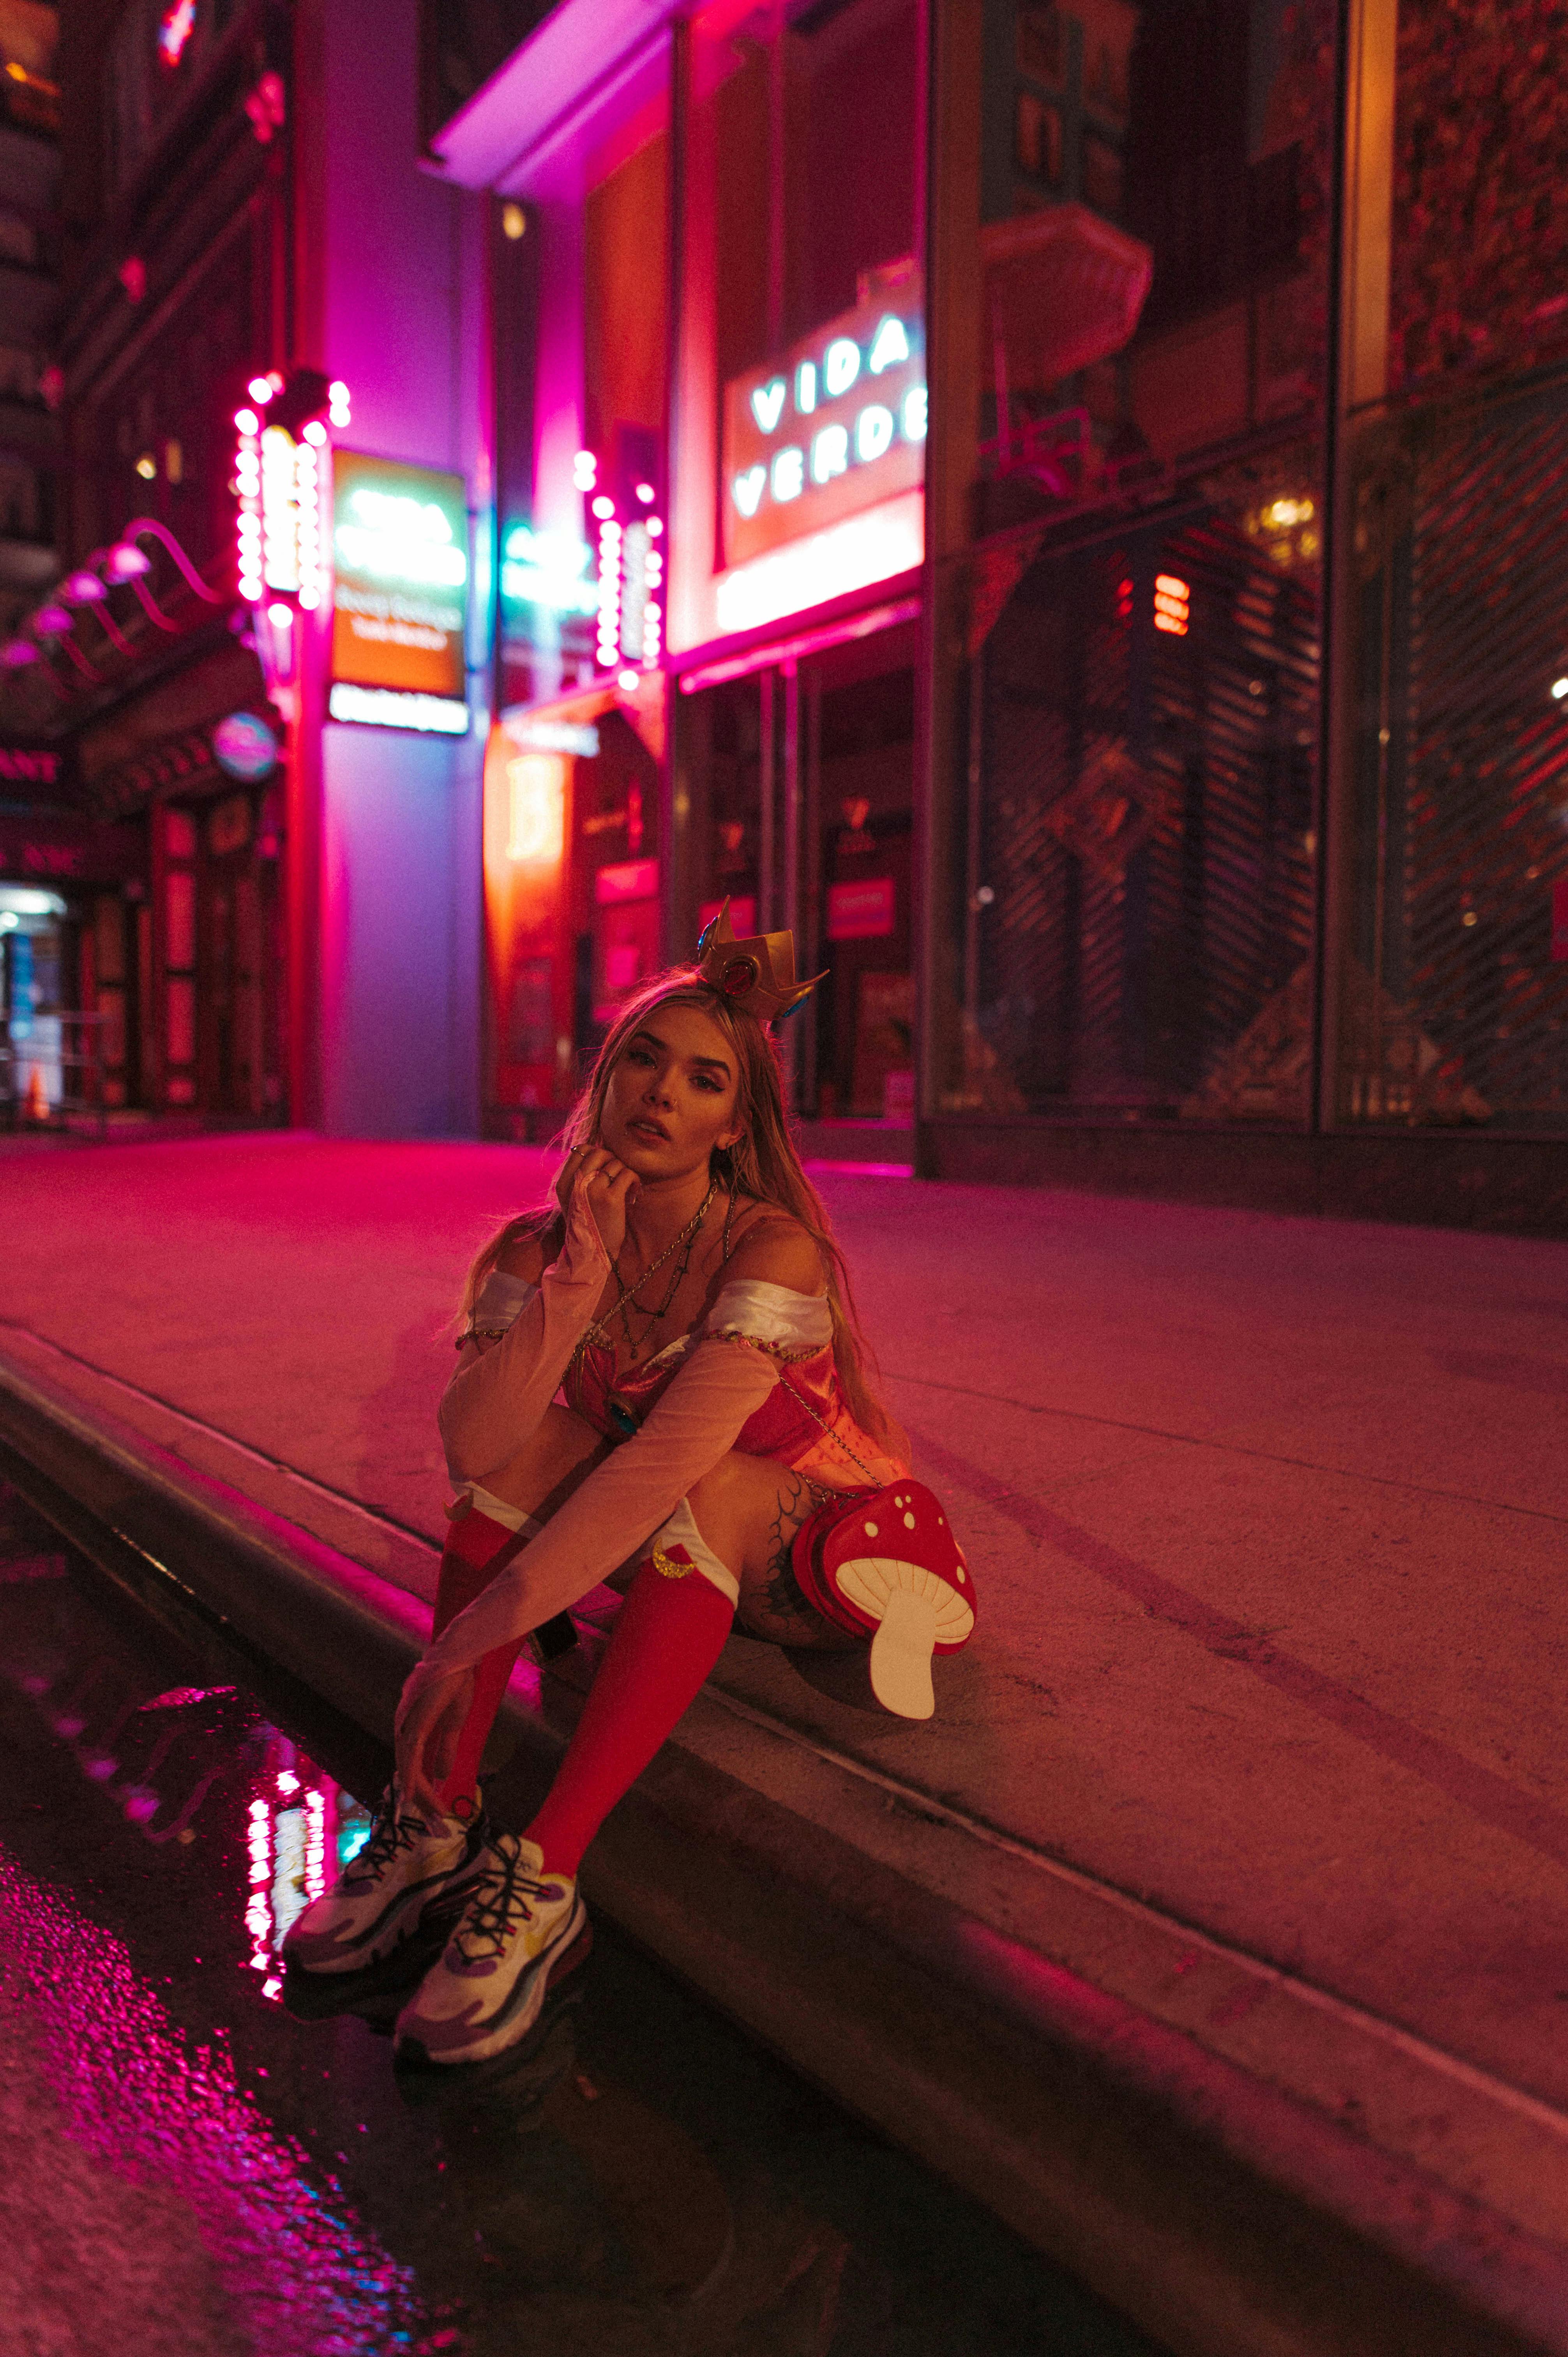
[[1257, 1750]]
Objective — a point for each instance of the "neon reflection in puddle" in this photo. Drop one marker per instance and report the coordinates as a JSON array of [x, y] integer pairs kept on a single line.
[[296, 1819], [305, 2277]]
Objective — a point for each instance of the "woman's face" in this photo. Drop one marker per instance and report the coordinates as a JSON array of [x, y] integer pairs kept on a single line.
[[673, 1094]]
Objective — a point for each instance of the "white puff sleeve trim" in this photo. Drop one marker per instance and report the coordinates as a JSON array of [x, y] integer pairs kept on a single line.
[[501, 1300], [772, 1316]]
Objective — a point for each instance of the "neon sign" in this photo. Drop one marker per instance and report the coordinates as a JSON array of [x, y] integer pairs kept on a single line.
[[398, 595], [398, 707], [244, 747], [308, 518], [837, 425], [640, 610], [630, 591], [248, 490], [532, 736], [576, 607], [279, 550], [610, 537], [1173, 605], [394, 538], [859, 551], [280, 511], [549, 569]]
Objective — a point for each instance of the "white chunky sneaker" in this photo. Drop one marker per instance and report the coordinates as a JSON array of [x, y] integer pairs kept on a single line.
[[521, 1930], [409, 1862]]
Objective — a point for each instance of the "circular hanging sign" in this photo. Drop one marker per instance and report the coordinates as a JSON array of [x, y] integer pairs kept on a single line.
[[243, 747]]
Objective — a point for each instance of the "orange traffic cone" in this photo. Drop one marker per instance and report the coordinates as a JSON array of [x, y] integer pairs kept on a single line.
[[37, 1104]]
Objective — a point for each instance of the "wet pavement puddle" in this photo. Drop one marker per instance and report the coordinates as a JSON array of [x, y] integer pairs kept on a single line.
[[191, 2170]]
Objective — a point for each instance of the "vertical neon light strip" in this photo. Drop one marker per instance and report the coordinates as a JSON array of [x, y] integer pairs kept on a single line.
[[609, 593], [653, 608], [315, 1845], [634, 550], [248, 482], [280, 511], [258, 1903], [631, 578], [308, 503]]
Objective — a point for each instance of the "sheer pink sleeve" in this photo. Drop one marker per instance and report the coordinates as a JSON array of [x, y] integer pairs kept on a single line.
[[622, 1502], [493, 1404]]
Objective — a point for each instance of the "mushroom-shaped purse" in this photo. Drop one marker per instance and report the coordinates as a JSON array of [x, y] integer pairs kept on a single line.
[[885, 1565]]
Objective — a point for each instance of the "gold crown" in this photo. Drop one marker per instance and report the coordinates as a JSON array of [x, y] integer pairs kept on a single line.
[[757, 974]]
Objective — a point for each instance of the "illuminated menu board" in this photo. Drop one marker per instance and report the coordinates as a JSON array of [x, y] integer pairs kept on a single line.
[[400, 553], [834, 424]]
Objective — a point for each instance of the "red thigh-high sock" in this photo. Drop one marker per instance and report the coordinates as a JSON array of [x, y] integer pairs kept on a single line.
[[476, 1549], [668, 1635]]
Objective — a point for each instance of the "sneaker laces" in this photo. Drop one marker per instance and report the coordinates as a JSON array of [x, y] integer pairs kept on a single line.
[[396, 1829], [499, 1906]]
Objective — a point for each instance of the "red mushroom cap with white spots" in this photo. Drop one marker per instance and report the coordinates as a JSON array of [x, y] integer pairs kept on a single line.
[[889, 1567]]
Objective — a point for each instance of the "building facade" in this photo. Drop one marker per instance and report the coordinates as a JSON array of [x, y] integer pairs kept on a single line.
[[1056, 503], [1091, 501], [263, 844]]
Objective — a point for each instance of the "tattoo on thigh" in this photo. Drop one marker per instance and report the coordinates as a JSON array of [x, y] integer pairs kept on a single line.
[[798, 1500]]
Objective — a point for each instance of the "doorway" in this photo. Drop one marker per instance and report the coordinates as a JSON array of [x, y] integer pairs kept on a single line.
[[220, 957], [801, 782]]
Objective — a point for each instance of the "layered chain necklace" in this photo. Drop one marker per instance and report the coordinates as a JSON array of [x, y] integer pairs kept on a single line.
[[628, 1302]]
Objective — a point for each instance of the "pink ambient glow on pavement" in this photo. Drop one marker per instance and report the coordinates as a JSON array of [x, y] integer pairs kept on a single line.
[[300, 2270]]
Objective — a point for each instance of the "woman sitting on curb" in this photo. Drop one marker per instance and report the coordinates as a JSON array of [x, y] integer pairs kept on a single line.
[[715, 1451]]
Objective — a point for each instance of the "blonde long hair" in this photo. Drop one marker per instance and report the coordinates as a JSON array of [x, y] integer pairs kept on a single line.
[[763, 1164]]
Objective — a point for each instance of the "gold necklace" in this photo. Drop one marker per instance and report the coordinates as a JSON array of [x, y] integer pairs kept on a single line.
[[629, 1301]]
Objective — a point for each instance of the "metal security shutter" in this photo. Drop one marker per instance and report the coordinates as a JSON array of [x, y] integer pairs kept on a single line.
[[1145, 829], [1458, 1009]]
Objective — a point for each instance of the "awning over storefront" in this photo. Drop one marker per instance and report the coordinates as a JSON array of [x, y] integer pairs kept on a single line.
[[111, 692], [582, 46], [764, 654], [549, 726], [66, 853], [133, 648]]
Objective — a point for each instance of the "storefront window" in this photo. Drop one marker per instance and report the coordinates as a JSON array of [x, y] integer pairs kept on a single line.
[[1455, 989], [39, 962], [802, 417], [811, 188], [581, 278], [798, 518], [1129, 864], [574, 882], [799, 775]]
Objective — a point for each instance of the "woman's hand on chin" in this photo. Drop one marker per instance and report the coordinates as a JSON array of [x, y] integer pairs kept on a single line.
[[608, 1189], [430, 1717]]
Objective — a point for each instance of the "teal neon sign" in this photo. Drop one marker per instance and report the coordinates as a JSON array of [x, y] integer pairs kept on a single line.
[[388, 536], [549, 569]]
